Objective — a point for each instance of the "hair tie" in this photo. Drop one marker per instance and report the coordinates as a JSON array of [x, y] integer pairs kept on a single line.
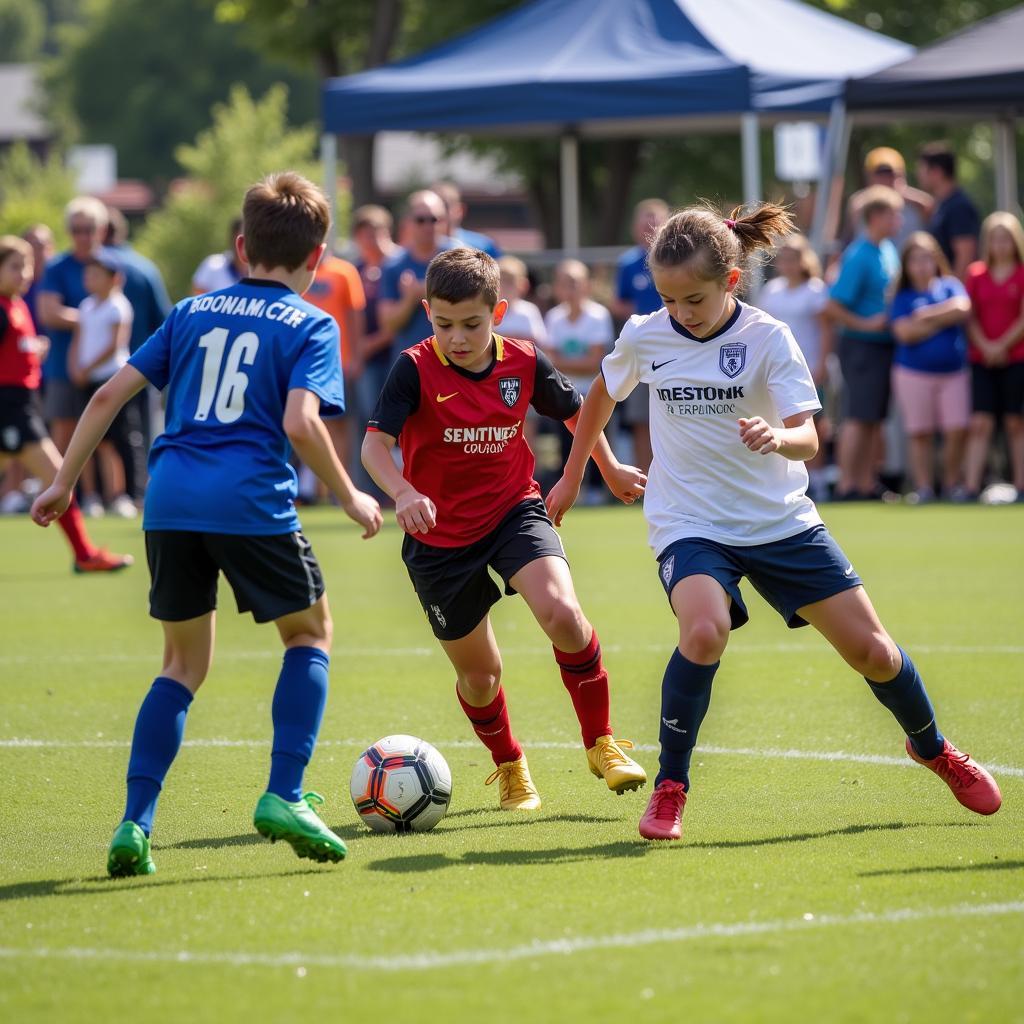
[[730, 224]]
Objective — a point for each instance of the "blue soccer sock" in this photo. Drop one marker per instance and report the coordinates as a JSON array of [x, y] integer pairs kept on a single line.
[[297, 710], [155, 743], [906, 697], [685, 696]]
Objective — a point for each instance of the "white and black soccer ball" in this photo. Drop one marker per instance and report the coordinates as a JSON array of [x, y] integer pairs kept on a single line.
[[401, 784]]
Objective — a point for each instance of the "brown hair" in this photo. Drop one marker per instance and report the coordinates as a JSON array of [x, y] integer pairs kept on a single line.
[[372, 216], [1008, 222], [284, 218], [878, 199], [925, 241], [456, 275], [721, 243], [810, 265], [11, 244]]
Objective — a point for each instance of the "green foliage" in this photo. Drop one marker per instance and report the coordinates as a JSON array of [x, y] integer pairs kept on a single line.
[[143, 76], [33, 191], [22, 28], [248, 139]]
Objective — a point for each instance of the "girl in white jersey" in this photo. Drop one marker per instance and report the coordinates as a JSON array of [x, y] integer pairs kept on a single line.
[[732, 405]]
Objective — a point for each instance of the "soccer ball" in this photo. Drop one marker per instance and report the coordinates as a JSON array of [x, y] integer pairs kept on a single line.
[[401, 784]]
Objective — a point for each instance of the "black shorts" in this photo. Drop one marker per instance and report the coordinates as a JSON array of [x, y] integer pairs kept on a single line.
[[270, 576], [998, 390], [453, 584], [21, 419], [867, 376]]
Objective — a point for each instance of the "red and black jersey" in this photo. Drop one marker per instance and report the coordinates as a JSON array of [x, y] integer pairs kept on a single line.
[[461, 433], [19, 358]]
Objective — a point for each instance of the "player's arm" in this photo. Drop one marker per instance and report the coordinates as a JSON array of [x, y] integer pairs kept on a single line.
[[415, 512], [91, 429], [796, 439], [309, 438], [54, 314], [839, 314]]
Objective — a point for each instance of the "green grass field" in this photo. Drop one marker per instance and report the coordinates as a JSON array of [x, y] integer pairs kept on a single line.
[[821, 876]]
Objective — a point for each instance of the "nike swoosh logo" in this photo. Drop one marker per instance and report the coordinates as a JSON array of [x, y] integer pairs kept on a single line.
[[658, 366], [444, 398], [849, 571]]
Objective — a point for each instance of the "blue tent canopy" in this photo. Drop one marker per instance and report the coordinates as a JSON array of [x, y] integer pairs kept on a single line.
[[556, 63]]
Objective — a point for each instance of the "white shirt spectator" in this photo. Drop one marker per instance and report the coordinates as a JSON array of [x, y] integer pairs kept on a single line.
[[574, 338], [97, 322], [215, 272], [523, 321], [800, 308], [704, 482]]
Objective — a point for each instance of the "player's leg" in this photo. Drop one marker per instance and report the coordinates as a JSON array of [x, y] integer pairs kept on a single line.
[[1014, 426], [43, 460], [545, 583], [850, 624], [477, 663], [159, 728]]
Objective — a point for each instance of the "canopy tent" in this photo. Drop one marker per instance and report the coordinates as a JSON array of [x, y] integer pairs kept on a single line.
[[617, 67]]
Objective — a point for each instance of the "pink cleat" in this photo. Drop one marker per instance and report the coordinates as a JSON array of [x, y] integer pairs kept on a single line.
[[663, 818], [970, 783]]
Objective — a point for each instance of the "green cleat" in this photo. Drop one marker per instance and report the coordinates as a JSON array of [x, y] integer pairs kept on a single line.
[[299, 825], [129, 852]]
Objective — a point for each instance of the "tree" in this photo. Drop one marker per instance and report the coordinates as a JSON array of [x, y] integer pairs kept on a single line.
[[143, 76], [247, 140], [22, 29], [33, 191]]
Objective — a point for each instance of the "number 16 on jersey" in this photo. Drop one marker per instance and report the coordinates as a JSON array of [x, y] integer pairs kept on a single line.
[[225, 393]]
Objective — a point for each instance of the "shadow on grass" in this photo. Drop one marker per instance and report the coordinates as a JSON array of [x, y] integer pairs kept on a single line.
[[346, 832], [101, 885], [993, 865], [802, 837], [503, 858]]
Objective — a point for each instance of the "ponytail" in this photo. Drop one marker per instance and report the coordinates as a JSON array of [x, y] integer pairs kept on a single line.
[[759, 228]]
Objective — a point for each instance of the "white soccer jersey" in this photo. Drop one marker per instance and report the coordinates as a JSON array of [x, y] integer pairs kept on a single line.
[[704, 482]]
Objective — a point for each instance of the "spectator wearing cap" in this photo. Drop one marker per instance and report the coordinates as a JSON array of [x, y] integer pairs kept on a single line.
[[61, 291], [99, 348], [456, 208], [954, 221], [884, 165]]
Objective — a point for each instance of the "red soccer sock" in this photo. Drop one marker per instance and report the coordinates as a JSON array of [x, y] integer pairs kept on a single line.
[[491, 724], [587, 682], [73, 526]]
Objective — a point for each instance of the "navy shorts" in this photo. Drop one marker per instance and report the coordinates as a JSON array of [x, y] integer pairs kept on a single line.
[[789, 574]]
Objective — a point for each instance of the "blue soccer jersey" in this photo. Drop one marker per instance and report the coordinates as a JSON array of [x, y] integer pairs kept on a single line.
[[228, 360]]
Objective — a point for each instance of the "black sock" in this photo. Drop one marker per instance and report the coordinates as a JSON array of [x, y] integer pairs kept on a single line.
[[685, 696], [906, 697]]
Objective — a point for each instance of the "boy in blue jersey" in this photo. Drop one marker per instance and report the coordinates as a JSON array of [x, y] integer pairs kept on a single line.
[[247, 370]]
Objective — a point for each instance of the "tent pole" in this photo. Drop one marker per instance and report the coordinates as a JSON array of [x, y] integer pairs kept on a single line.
[[570, 187], [329, 160], [1004, 137], [751, 138], [832, 163]]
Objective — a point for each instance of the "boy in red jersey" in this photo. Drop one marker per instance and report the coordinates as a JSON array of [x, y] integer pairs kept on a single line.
[[23, 435], [467, 500]]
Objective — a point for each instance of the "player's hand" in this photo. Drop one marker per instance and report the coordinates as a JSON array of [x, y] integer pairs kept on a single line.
[[410, 286], [758, 435], [364, 509], [415, 512], [627, 483], [561, 498], [51, 504]]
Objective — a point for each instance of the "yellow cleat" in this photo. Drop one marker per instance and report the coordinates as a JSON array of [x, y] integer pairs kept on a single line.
[[609, 762], [516, 791]]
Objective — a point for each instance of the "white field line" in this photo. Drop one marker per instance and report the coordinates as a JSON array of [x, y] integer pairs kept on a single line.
[[114, 657], [761, 752], [431, 960]]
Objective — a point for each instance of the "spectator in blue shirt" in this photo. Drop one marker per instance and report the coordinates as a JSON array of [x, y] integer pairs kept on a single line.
[[400, 303], [452, 199], [61, 292], [930, 375], [858, 306]]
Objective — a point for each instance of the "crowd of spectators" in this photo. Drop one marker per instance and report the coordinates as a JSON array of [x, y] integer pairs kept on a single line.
[[915, 344]]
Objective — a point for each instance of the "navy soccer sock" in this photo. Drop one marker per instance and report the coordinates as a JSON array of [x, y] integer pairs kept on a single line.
[[906, 697], [155, 743], [685, 696], [297, 710]]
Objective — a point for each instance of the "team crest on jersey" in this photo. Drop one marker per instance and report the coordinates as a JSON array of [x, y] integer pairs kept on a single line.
[[732, 358], [510, 388]]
